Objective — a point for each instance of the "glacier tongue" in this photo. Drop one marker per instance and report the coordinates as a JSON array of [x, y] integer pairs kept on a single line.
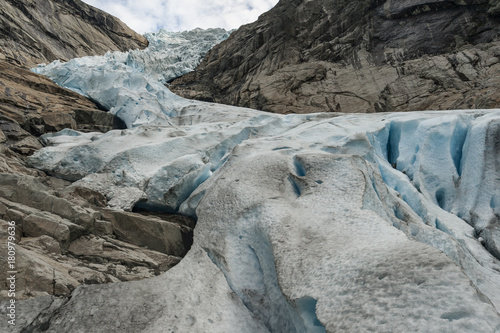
[[336, 222]]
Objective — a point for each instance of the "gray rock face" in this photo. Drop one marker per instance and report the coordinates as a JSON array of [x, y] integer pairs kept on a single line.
[[64, 241], [41, 31], [356, 56]]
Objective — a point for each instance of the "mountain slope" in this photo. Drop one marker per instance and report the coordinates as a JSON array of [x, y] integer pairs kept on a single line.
[[356, 56], [32, 32]]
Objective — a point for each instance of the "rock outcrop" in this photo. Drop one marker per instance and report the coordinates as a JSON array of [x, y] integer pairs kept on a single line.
[[31, 104], [63, 240], [356, 56], [32, 32], [65, 235]]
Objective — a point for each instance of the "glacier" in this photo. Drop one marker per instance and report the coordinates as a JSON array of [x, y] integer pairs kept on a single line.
[[305, 223]]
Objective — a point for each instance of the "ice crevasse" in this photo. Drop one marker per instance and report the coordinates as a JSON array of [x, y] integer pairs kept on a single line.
[[305, 223]]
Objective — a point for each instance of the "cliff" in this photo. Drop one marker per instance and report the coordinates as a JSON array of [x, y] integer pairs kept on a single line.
[[356, 56], [32, 32]]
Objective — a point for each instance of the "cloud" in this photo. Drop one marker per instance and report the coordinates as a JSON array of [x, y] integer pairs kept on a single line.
[[179, 15]]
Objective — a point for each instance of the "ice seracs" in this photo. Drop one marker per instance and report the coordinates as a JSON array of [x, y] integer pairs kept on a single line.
[[306, 223]]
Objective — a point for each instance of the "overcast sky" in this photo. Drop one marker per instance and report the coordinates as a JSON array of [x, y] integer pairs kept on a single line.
[[178, 15]]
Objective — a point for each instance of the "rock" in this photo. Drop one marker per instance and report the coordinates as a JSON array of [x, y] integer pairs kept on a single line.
[[41, 31], [27, 146], [5, 231], [13, 163], [34, 222], [31, 192], [32, 104], [89, 120], [31, 311], [45, 244], [491, 235], [41, 275], [86, 195], [364, 56], [14, 215], [156, 234], [54, 256], [97, 249], [61, 230], [12, 130], [103, 228]]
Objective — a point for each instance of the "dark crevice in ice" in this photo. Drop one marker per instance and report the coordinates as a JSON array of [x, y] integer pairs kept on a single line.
[[296, 187], [457, 145], [392, 147], [299, 167]]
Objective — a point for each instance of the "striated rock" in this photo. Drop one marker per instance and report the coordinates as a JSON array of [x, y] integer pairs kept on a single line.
[[26, 146], [35, 311], [29, 191], [13, 163], [63, 240], [153, 232], [42, 31], [46, 267], [44, 244], [86, 196], [61, 230], [32, 104], [97, 249], [356, 56], [33, 32]]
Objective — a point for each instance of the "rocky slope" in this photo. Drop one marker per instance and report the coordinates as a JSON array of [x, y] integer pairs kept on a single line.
[[31, 105], [357, 56], [65, 235], [32, 32]]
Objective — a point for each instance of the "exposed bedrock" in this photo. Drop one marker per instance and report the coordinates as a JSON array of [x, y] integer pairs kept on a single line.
[[356, 56], [34, 32], [45, 30], [64, 238]]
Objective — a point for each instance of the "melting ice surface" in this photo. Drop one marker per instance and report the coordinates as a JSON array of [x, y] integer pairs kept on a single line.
[[336, 222]]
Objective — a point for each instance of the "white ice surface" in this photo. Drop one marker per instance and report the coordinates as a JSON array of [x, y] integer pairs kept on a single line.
[[343, 222]]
